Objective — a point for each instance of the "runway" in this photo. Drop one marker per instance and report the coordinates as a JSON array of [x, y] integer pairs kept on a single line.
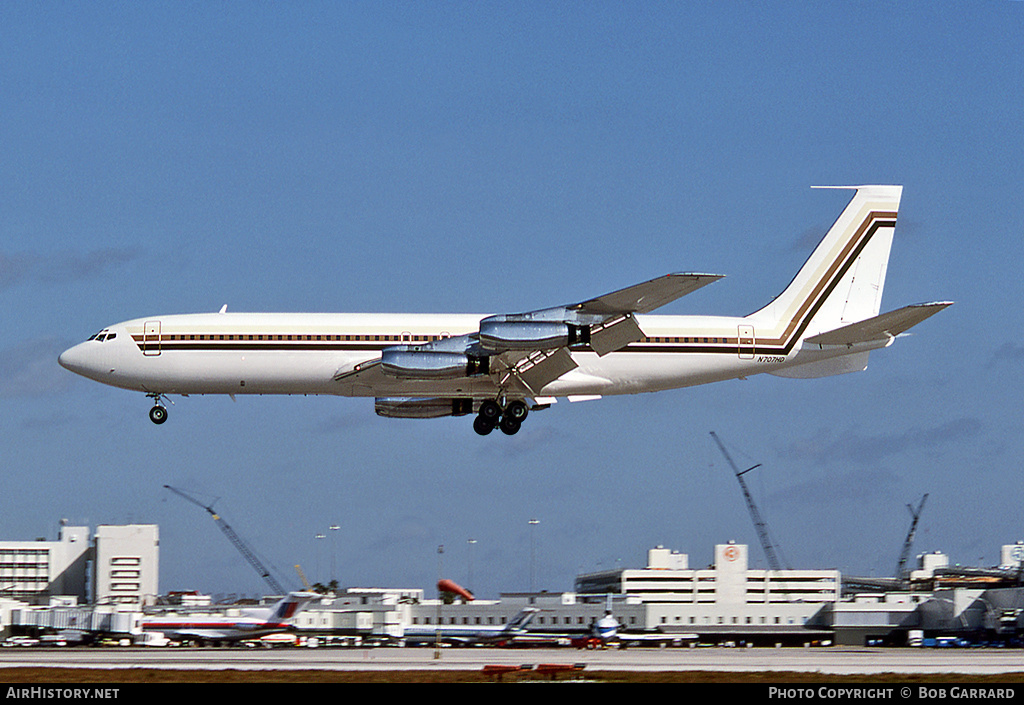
[[828, 660]]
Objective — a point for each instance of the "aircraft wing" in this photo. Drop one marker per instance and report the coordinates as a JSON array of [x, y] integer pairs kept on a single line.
[[880, 328], [533, 347], [525, 351], [644, 298]]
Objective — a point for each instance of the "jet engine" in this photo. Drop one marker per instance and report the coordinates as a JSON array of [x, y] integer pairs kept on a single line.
[[416, 408], [430, 364], [530, 335]]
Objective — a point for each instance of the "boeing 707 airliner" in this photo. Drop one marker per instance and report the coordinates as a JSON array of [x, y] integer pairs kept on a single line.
[[501, 367]]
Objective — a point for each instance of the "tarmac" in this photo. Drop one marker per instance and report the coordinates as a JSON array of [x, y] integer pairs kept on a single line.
[[821, 660]]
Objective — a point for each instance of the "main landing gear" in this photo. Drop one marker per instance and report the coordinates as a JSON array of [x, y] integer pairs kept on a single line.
[[509, 419], [158, 414]]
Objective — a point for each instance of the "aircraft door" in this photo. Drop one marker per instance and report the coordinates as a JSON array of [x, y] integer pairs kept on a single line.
[[151, 338], [746, 341]]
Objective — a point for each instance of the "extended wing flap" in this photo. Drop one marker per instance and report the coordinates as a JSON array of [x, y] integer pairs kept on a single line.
[[538, 368], [880, 328], [616, 335], [643, 298]]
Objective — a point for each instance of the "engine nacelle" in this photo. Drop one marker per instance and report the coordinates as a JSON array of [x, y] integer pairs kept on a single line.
[[414, 408], [530, 335], [430, 364]]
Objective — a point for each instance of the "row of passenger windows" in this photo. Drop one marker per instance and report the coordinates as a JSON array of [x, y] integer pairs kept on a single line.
[[736, 620], [688, 339], [500, 620], [405, 338], [386, 338]]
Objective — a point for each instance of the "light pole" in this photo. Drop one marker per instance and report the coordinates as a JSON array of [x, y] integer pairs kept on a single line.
[[334, 550], [437, 633], [469, 583], [533, 523], [318, 538]]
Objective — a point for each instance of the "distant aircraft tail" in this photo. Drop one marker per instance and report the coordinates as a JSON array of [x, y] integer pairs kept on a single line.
[[841, 283], [607, 627], [519, 622], [290, 605]]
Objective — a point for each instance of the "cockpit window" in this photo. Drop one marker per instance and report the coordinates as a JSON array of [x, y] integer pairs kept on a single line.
[[102, 336]]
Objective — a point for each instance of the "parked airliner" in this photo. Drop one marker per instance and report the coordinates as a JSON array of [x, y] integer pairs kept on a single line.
[[608, 631], [251, 623], [502, 366], [464, 634]]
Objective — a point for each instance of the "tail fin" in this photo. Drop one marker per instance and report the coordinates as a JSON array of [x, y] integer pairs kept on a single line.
[[841, 282], [290, 605], [519, 622]]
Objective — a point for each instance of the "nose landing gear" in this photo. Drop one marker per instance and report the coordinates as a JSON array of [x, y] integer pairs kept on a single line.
[[158, 413]]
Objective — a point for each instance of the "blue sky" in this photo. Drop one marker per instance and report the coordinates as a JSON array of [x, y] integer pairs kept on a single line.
[[496, 157]]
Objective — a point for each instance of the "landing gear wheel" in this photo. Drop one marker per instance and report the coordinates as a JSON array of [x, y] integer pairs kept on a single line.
[[509, 425], [482, 426], [517, 410], [158, 414], [490, 410]]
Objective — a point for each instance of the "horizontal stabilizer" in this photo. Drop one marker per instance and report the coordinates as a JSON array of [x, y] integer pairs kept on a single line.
[[879, 328], [643, 298]]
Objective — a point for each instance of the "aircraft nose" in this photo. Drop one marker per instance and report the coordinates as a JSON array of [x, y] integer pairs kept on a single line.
[[78, 360], [68, 359]]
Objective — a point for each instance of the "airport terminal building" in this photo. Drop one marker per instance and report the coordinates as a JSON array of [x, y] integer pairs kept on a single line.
[[726, 602], [103, 583], [116, 565]]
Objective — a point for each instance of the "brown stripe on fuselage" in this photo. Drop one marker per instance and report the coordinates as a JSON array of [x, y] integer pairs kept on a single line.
[[826, 284]]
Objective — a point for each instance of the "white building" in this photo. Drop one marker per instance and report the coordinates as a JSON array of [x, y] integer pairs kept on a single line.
[[126, 563], [119, 565], [33, 571], [728, 582], [727, 599]]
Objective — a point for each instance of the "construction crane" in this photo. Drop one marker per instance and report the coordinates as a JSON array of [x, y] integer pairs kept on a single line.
[[235, 541], [905, 553], [759, 524]]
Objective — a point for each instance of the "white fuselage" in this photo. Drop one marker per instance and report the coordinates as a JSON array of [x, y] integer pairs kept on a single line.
[[214, 628], [274, 353]]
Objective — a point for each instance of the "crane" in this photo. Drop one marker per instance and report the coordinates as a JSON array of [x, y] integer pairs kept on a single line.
[[235, 541], [905, 553], [759, 524]]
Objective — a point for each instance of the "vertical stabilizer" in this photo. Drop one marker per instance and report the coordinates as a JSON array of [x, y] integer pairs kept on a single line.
[[842, 281], [290, 605]]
